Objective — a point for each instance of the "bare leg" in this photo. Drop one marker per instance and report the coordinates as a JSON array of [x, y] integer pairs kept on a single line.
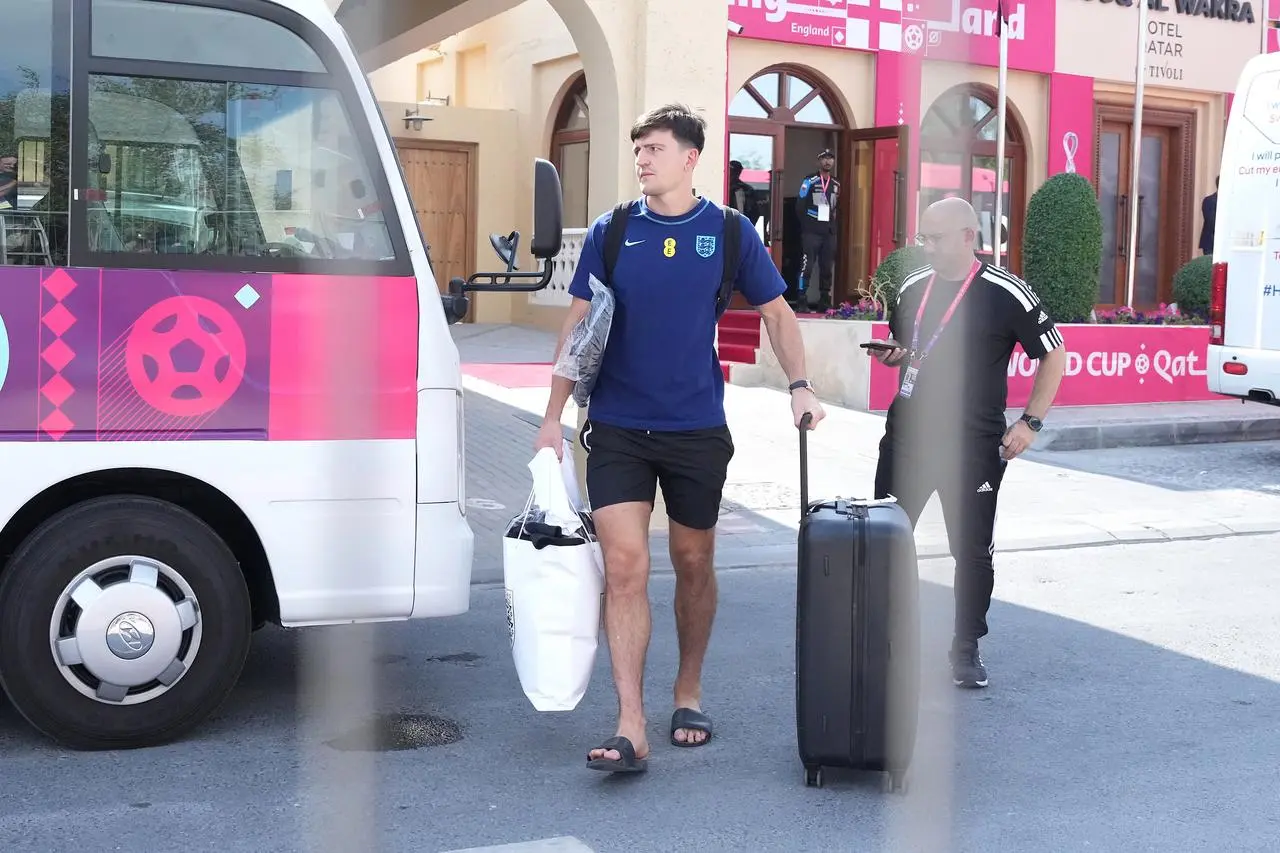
[[623, 531], [693, 556]]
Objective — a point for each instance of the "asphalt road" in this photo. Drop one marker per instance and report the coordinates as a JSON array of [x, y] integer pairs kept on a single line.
[[1134, 706], [1192, 467]]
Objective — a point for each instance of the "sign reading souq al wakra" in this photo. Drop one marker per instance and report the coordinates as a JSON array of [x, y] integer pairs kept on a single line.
[[1240, 11]]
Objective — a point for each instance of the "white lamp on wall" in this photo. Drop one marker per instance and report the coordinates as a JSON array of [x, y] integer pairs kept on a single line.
[[413, 119]]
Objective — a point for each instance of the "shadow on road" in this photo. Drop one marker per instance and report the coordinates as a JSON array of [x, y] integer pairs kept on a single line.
[[1085, 734]]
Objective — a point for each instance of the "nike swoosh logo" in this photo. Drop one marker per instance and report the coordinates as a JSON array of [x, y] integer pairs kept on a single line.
[[633, 242]]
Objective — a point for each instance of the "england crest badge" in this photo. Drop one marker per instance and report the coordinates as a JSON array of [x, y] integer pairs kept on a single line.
[[705, 245]]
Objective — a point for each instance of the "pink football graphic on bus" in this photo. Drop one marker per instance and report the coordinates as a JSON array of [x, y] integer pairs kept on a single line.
[[185, 356]]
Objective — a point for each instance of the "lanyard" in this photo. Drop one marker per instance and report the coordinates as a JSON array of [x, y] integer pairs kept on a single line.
[[946, 318], [826, 182]]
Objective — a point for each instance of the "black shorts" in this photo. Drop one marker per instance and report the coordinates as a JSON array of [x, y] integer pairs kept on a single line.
[[625, 465]]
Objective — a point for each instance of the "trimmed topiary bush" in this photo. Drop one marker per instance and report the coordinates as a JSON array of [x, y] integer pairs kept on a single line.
[[891, 273], [1191, 286], [1062, 247]]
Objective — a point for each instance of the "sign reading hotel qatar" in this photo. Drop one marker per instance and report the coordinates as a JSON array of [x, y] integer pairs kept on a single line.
[[949, 30]]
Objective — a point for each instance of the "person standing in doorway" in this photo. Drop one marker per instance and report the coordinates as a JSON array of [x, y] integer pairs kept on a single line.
[[817, 204], [952, 334], [741, 194], [1209, 211], [657, 416]]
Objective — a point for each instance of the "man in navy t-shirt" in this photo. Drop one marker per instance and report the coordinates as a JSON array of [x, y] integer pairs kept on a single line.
[[657, 413]]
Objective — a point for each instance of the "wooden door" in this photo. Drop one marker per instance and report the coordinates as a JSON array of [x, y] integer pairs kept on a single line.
[[441, 180], [1115, 142], [1163, 239]]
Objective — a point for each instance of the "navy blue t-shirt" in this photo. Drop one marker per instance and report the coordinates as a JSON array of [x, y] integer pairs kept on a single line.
[[660, 369]]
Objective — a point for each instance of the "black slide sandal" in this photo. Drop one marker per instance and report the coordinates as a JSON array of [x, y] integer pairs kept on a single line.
[[687, 718], [628, 763]]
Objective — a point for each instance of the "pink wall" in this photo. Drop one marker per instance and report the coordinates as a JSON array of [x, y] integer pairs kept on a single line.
[[1070, 140], [1106, 365], [898, 103], [955, 30], [902, 33]]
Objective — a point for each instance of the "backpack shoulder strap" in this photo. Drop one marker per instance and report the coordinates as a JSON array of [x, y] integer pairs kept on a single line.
[[732, 256], [614, 234]]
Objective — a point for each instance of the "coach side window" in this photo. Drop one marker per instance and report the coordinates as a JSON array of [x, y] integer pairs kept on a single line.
[[195, 149], [34, 101]]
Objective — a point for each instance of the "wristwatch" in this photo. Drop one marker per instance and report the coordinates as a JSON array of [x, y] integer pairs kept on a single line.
[[1031, 421], [800, 383]]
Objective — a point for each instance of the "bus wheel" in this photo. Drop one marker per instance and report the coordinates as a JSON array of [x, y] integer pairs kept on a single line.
[[124, 622]]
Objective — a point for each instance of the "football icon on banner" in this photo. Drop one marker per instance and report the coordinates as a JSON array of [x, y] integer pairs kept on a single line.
[[185, 356]]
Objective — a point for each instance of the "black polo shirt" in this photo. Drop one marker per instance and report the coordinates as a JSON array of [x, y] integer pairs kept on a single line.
[[963, 384]]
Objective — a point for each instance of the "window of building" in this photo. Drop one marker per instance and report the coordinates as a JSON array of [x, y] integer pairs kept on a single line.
[[571, 152], [958, 158], [34, 112], [782, 97]]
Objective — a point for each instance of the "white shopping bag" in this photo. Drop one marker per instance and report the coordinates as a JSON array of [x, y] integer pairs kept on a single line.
[[553, 572]]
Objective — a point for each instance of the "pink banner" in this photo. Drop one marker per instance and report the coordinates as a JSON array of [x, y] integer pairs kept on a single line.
[[953, 30], [1071, 125], [898, 103], [1106, 365]]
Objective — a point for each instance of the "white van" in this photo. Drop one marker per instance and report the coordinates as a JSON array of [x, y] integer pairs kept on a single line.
[[1243, 358], [234, 399]]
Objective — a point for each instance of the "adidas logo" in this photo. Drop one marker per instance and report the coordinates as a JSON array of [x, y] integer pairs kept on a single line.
[[1043, 317], [985, 487]]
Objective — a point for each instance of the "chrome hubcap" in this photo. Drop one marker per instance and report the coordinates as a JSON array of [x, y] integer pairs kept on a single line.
[[125, 630]]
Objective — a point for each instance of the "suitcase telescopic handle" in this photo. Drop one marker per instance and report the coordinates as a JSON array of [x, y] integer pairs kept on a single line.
[[805, 420]]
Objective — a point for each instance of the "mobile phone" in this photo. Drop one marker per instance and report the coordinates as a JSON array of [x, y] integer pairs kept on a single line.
[[878, 346]]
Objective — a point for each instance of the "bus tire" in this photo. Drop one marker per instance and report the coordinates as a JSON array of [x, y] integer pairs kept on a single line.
[[125, 621]]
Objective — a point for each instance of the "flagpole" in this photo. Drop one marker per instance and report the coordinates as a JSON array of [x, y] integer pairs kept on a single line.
[[1135, 208], [997, 227]]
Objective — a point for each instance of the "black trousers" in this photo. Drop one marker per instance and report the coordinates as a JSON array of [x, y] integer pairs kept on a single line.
[[966, 473], [819, 244]]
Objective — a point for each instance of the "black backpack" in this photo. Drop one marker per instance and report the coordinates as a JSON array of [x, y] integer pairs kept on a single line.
[[616, 232]]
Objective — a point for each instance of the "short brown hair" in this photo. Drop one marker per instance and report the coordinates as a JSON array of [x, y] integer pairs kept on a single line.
[[689, 128]]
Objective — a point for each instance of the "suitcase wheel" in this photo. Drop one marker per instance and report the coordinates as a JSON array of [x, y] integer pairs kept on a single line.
[[813, 777], [895, 781]]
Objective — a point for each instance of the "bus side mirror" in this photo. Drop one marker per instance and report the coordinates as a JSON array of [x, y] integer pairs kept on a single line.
[[548, 219], [456, 304], [548, 211]]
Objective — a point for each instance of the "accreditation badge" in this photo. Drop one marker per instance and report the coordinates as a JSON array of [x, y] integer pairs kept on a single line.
[[908, 382]]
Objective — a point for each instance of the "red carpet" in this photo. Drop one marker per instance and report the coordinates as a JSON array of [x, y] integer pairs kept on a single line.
[[517, 375]]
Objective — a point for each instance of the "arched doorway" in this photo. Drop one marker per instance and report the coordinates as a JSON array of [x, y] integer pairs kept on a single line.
[[958, 158], [571, 151], [778, 123]]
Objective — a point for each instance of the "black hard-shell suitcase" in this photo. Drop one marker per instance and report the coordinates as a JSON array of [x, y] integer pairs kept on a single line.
[[857, 636]]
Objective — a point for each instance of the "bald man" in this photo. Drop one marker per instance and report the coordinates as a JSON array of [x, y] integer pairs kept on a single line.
[[952, 334]]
